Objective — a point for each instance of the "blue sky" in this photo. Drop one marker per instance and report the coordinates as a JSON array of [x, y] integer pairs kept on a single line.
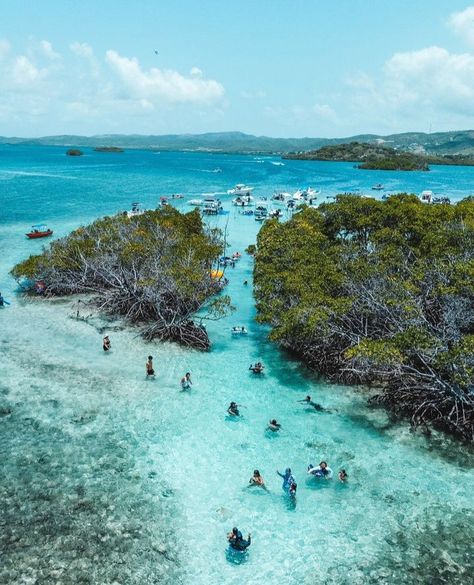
[[280, 68]]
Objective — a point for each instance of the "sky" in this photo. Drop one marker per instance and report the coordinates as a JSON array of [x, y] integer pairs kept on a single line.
[[289, 68]]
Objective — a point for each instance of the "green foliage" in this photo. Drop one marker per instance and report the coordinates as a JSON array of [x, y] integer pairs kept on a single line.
[[369, 290]]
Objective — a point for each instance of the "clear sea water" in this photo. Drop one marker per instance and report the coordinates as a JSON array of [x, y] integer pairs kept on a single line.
[[109, 478]]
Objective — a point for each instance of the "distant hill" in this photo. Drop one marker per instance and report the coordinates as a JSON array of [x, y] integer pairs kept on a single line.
[[381, 157], [459, 142]]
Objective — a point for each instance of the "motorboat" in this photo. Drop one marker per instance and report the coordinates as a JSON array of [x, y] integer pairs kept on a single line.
[[164, 201], [261, 210], [239, 331], [211, 205], [281, 197], [306, 194], [240, 189], [39, 231], [427, 196], [177, 196], [195, 202], [136, 210], [242, 200], [378, 187], [246, 212], [442, 200]]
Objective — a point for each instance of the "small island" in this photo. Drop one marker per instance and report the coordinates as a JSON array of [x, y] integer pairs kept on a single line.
[[378, 157], [154, 269], [108, 149], [74, 152], [378, 293]]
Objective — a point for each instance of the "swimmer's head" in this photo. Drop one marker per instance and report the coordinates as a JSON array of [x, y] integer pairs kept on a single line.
[[256, 472], [188, 374], [288, 471], [323, 465], [150, 357], [308, 398]]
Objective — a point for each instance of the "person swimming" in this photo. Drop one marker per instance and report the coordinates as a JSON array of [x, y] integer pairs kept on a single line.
[[150, 372], [343, 475], [273, 425], [257, 480], [186, 382], [288, 479], [233, 409], [309, 402], [257, 368], [106, 343], [245, 282], [321, 471], [237, 541]]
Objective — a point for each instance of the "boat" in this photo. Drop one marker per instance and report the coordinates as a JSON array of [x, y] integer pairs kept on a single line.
[[239, 331], [236, 256], [261, 210], [442, 200], [211, 205], [164, 201], [281, 197], [378, 187], [275, 213], [39, 231], [426, 196], [136, 210], [240, 189], [246, 212], [305, 194], [242, 200], [195, 202], [177, 196]]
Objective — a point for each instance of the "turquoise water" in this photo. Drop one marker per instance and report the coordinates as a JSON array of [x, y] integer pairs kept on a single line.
[[108, 477]]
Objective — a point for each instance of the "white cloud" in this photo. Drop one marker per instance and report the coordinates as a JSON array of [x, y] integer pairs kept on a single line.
[[48, 51], [196, 71], [24, 73], [462, 23], [81, 49], [166, 84]]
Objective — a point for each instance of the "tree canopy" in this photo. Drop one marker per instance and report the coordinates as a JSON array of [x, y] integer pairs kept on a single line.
[[153, 268], [378, 292]]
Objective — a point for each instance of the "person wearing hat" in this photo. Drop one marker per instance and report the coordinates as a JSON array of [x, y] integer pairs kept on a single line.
[[106, 343]]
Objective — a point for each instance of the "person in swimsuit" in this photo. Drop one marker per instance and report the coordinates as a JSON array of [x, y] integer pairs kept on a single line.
[[257, 368], [309, 402], [257, 480], [343, 476], [237, 541], [106, 343], [233, 409], [273, 425], [150, 372], [186, 382]]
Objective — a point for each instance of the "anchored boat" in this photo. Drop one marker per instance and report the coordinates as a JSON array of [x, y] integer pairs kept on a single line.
[[39, 231]]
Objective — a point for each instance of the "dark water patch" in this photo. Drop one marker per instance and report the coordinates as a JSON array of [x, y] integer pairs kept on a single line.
[[427, 551], [76, 510]]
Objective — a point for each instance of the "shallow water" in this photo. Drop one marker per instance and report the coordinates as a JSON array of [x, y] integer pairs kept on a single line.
[[108, 477]]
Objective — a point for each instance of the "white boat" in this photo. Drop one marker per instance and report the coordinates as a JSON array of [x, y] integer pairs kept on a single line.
[[306, 194], [195, 202], [240, 189], [243, 200], [427, 196], [378, 187], [239, 331], [261, 210], [211, 205], [281, 197], [136, 210]]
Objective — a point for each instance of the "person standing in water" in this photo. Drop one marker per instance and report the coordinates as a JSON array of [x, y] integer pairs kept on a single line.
[[257, 480], [237, 541], [150, 372], [186, 382], [106, 343], [288, 479], [233, 409]]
